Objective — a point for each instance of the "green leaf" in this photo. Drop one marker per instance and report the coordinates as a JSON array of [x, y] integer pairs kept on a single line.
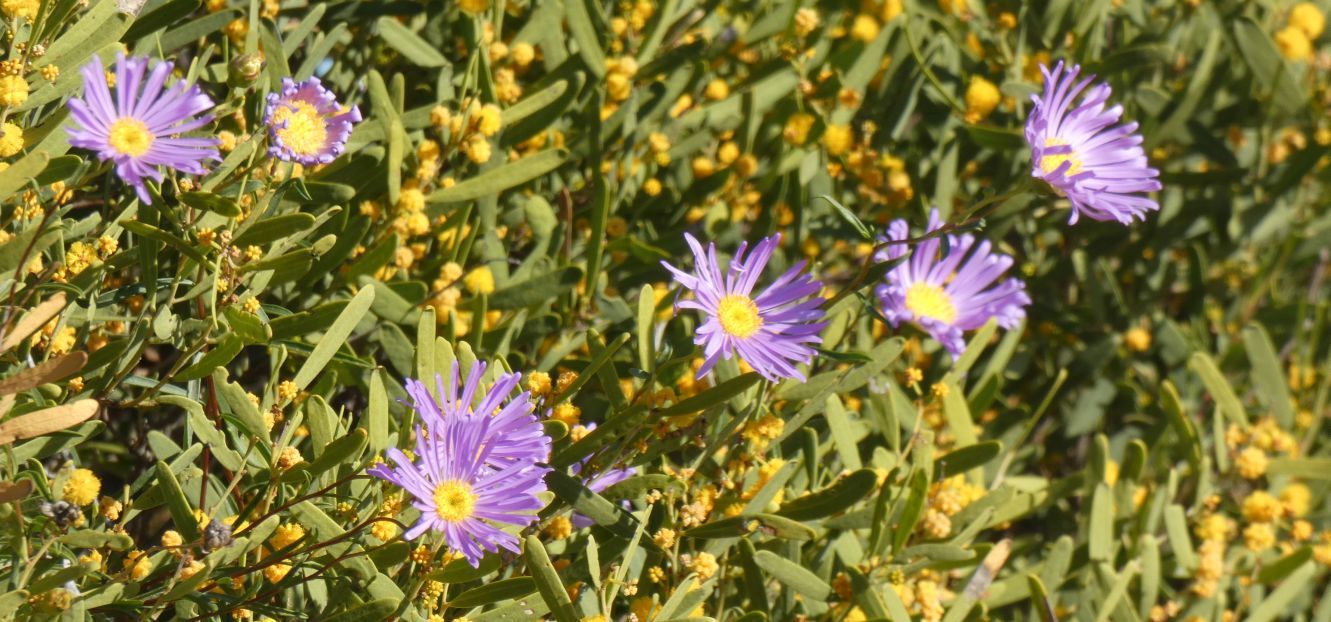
[[153, 233], [912, 511], [210, 202], [205, 430], [536, 290], [182, 512], [238, 401], [220, 355], [493, 592], [1276, 605], [716, 395], [93, 539], [969, 457], [275, 228], [849, 217], [837, 497], [333, 339], [1221, 391], [1267, 377], [579, 16], [1101, 530], [372, 611], [501, 178], [590, 504], [1316, 469], [793, 575], [20, 174], [534, 102], [552, 590], [410, 44], [342, 450], [1182, 424], [1272, 73], [376, 413], [247, 326], [1040, 599]]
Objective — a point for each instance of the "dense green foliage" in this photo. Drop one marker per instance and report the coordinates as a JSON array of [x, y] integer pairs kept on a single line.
[[194, 388]]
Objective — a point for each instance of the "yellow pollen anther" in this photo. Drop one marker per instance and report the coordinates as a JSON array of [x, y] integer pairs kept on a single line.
[[454, 501], [738, 316], [1050, 163], [130, 137], [301, 127], [928, 300]]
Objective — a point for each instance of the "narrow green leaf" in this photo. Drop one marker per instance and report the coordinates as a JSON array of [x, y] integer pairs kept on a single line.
[[793, 575], [210, 202], [1101, 530], [1219, 387], [376, 413], [410, 44], [1266, 375], [837, 497], [220, 355], [372, 611], [493, 592], [333, 339], [182, 512], [537, 290], [552, 590], [501, 178]]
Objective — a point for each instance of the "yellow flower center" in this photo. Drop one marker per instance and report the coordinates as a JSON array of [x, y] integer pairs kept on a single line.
[[130, 137], [738, 316], [305, 131], [928, 300], [1050, 163], [454, 501]]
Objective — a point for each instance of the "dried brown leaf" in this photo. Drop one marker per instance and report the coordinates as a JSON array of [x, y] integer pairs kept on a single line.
[[47, 420], [50, 371], [34, 320]]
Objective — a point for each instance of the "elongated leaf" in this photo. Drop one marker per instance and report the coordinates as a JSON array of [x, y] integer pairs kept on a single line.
[[842, 494], [493, 592], [47, 420], [1266, 375], [334, 337], [500, 178], [1220, 389], [410, 44], [552, 590], [52, 370], [793, 575], [182, 514], [536, 290], [220, 355]]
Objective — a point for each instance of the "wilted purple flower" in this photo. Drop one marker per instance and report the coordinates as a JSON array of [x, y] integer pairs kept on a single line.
[[1085, 154], [476, 466], [306, 124], [772, 332], [951, 294], [139, 127]]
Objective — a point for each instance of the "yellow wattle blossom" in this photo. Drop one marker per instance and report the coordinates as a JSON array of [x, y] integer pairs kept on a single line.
[[474, 7], [1137, 339], [838, 139], [704, 565], [717, 90], [110, 508], [285, 535], [137, 564], [276, 572], [477, 149], [566, 413], [1292, 42], [82, 488], [522, 54], [11, 139], [1307, 18], [289, 457], [864, 28], [558, 528], [1251, 463], [1258, 537], [489, 120], [20, 9], [982, 97], [479, 281], [806, 20], [796, 131], [890, 10], [1296, 499], [1262, 507]]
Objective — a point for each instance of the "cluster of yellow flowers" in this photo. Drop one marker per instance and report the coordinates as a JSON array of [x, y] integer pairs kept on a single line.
[[1305, 25]]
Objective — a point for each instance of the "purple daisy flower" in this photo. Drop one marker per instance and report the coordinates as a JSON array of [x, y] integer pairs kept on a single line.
[[475, 468], [139, 127], [948, 295], [306, 124], [772, 332], [1085, 154]]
